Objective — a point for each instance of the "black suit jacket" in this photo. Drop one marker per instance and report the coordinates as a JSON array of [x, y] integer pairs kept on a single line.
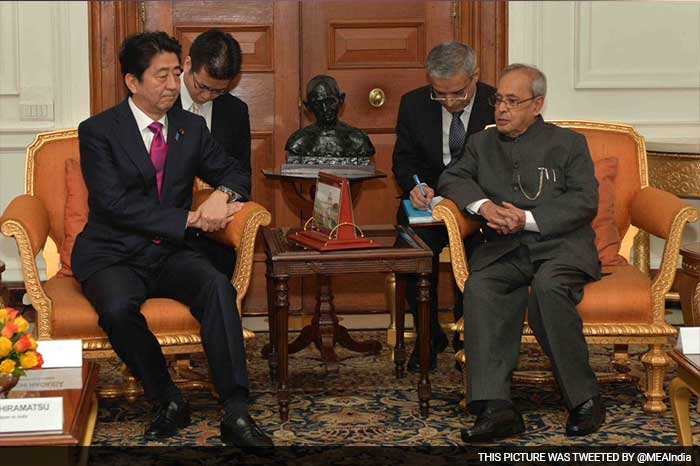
[[125, 213], [418, 148], [230, 126]]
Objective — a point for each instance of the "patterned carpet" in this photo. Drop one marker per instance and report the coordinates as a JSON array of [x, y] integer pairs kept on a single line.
[[365, 405]]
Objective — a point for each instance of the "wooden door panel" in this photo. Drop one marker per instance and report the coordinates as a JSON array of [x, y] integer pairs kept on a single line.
[[377, 44], [215, 12], [357, 86], [377, 200]]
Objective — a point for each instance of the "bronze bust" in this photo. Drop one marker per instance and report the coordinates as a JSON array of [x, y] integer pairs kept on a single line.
[[328, 141]]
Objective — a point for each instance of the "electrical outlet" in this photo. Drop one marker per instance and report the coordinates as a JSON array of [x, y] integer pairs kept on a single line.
[[32, 111]]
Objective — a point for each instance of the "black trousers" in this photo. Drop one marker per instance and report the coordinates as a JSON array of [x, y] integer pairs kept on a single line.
[[495, 300], [435, 237], [186, 275]]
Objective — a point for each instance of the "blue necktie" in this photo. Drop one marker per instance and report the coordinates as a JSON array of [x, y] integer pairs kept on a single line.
[[457, 135]]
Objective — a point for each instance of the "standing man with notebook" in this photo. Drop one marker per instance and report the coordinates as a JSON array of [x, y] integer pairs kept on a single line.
[[433, 126]]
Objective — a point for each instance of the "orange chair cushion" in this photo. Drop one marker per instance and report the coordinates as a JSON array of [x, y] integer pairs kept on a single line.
[[623, 295], [74, 317], [607, 237], [75, 213]]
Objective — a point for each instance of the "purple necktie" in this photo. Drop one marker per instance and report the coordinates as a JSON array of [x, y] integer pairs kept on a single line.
[[158, 152]]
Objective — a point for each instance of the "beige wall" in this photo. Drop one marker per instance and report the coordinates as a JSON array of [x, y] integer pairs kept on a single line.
[[43, 72]]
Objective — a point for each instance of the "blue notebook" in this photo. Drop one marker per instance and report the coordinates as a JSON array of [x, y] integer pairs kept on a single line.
[[415, 216]]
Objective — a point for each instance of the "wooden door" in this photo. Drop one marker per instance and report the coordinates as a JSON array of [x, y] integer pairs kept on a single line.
[[366, 46]]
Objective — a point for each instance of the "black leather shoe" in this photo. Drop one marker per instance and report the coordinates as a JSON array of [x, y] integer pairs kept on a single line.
[[494, 424], [586, 418], [437, 345], [169, 418], [242, 432]]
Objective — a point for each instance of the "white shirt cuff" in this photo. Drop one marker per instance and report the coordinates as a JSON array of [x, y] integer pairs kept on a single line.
[[474, 207], [530, 223]]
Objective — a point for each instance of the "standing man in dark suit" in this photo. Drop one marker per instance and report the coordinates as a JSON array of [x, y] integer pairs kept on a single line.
[[208, 74], [434, 124], [139, 160], [533, 186]]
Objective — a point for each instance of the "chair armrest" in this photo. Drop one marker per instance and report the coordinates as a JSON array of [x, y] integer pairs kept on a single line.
[[27, 220], [29, 214], [240, 233], [458, 227], [664, 215]]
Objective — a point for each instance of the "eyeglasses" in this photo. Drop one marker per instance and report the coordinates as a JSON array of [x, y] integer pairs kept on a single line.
[[462, 94], [203, 88], [510, 102]]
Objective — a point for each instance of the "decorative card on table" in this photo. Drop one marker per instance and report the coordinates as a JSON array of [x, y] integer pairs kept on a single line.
[[418, 217]]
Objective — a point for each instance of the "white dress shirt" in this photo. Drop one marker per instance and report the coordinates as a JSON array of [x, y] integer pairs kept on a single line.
[[530, 223], [204, 110], [143, 120]]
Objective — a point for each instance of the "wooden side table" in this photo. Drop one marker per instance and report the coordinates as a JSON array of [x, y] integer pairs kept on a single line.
[[402, 253], [79, 415], [682, 388], [689, 284]]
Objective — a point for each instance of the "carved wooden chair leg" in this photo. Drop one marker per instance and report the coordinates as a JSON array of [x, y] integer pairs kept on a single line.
[[130, 388], [655, 362], [621, 358], [462, 360], [187, 378]]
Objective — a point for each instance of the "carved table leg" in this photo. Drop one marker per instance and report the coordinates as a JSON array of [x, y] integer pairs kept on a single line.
[[324, 331], [327, 323], [423, 298], [400, 323], [271, 354], [282, 310]]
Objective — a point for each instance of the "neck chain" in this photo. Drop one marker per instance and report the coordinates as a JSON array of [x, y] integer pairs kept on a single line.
[[539, 188]]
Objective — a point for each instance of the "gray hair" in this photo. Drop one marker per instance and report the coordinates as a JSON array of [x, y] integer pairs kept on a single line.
[[445, 60], [538, 86]]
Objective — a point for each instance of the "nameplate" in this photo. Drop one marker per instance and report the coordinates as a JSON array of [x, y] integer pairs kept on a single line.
[[61, 353], [689, 340], [31, 415], [65, 378]]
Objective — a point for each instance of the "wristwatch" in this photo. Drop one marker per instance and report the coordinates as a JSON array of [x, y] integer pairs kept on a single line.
[[233, 196]]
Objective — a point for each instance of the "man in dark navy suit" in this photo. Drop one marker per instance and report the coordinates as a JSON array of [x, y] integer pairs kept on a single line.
[[139, 160], [209, 73], [433, 126]]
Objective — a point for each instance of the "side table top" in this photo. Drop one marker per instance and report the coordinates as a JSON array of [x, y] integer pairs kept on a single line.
[[396, 241], [690, 362], [691, 251]]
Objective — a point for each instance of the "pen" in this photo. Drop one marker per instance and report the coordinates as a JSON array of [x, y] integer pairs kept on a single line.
[[420, 186]]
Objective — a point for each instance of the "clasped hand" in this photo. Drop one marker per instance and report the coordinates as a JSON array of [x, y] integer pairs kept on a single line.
[[504, 219], [214, 213]]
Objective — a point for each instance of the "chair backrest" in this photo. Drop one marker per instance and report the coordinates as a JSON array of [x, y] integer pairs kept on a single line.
[[606, 140], [45, 178]]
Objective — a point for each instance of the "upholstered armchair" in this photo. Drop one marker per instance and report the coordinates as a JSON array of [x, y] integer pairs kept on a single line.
[[40, 221], [627, 306]]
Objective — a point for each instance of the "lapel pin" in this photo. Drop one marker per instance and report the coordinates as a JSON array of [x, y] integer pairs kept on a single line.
[[180, 132]]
